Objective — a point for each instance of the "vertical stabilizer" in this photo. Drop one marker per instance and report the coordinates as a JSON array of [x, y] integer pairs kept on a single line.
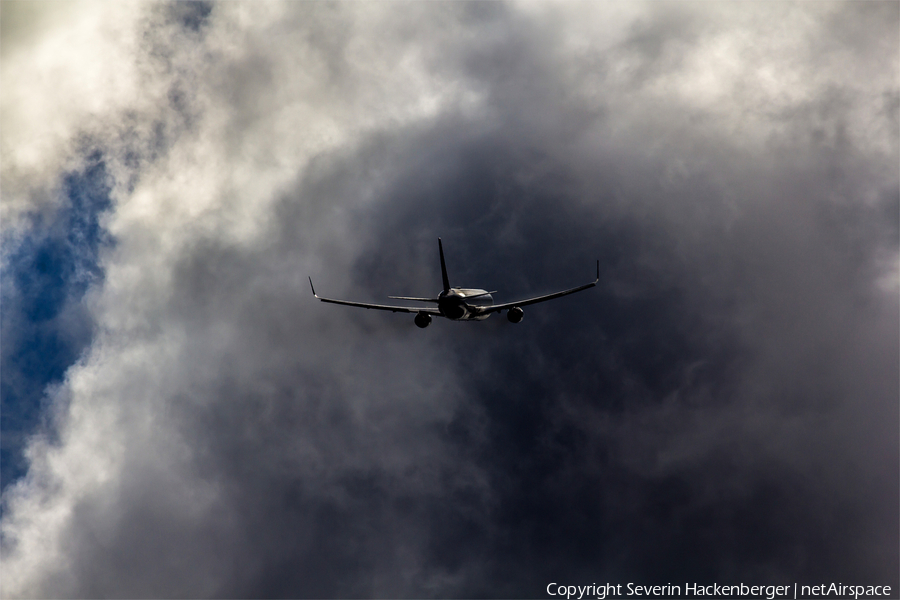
[[443, 267]]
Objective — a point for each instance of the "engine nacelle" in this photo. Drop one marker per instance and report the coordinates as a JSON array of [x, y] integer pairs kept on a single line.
[[515, 314], [423, 320]]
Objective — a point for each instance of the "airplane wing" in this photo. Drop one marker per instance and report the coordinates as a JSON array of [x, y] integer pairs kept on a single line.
[[544, 298], [412, 298], [403, 309]]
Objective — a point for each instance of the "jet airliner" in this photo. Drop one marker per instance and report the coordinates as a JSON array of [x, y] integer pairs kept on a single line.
[[460, 304]]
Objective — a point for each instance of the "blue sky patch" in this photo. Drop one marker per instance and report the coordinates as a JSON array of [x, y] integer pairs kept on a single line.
[[45, 325]]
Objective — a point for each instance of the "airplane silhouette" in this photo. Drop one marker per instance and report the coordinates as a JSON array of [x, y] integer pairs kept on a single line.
[[460, 304]]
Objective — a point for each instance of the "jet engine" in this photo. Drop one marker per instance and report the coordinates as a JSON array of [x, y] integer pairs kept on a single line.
[[423, 320], [515, 314]]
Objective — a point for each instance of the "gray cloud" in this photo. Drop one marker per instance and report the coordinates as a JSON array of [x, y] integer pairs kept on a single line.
[[722, 407]]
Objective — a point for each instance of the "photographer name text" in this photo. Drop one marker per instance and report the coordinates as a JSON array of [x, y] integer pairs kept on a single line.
[[697, 590]]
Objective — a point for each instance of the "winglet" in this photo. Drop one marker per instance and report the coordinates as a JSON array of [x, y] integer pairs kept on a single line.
[[597, 280], [443, 267], [312, 288]]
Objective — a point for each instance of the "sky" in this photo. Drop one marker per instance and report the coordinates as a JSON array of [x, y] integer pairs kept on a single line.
[[181, 418]]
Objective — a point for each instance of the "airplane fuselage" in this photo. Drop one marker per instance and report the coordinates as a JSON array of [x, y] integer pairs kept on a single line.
[[464, 304]]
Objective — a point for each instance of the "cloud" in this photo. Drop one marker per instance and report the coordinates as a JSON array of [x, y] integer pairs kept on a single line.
[[720, 408]]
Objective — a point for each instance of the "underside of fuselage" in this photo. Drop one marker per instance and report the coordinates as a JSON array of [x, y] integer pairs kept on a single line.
[[464, 304]]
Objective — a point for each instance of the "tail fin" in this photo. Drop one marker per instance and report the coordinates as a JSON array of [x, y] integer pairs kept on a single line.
[[443, 267]]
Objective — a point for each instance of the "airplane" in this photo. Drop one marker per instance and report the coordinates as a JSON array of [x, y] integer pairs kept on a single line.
[[460, 304]]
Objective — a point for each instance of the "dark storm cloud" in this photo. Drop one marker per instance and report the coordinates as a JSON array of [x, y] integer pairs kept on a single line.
[[668, 424], [731, 360], [721, 407]]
